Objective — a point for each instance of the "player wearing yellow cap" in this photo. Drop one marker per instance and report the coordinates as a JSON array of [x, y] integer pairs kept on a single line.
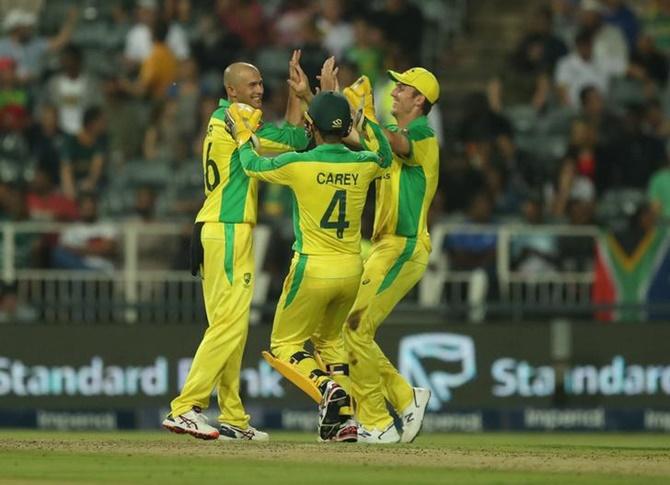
[[223, 252], [329, 185], [399, 253]]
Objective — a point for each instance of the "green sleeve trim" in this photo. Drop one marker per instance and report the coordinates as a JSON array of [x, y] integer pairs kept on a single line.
[[419, 129], [410, 199], [405, 256], [234, 194], [287, 134], [297, 245], [385, 153], [297, 279], [229, 258]]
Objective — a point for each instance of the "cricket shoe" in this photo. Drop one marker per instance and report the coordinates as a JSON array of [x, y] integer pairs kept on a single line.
[[228, 432], [375, 436], [334, 410], [193, 422], [347, 433], [412, 415]]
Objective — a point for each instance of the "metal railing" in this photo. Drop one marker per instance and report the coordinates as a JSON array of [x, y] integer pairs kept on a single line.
[[131, 292]]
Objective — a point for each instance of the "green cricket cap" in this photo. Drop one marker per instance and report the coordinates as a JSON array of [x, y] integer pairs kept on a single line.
[[329, 111]]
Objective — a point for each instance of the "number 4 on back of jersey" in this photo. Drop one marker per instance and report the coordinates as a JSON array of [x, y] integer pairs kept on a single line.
[[338, 201]]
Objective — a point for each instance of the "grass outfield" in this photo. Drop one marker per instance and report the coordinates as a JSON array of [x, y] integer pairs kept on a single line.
[[295, 459]]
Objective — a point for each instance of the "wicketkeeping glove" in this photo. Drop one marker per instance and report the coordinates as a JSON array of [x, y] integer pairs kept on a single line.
[[242, 121], [359, 95]]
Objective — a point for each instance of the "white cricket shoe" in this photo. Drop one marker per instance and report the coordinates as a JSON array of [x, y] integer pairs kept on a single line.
[[347, 433], [412, 415], [378, 437], [228, 432], [193, 423]]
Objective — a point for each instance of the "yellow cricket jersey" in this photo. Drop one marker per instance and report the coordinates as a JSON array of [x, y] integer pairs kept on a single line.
[[404, 194], [230, 195], [329, 185]]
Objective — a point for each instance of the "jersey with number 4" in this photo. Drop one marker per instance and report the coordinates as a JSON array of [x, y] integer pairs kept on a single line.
[[230, 195], [329, 185]]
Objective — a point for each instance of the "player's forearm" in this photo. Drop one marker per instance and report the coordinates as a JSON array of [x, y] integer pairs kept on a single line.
[[294, 109], [398, 142], [253, 164]]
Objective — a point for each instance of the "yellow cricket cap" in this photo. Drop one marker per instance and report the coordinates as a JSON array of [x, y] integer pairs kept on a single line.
[[420, 79]]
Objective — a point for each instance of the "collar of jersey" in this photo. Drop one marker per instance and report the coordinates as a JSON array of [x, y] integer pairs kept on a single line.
[[331, 147], [224, 103]]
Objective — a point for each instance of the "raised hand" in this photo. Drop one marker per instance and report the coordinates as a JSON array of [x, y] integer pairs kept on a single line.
[[297, 80], [328, 76]]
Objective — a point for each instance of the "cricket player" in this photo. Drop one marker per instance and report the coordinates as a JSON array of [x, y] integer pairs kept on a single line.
[[329, 184], [222, 250], [399, 254]]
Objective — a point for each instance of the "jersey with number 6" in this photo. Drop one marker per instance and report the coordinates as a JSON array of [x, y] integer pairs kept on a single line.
[[230, 195], [329, 185]]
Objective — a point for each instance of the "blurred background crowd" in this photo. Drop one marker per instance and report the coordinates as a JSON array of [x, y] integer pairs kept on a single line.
[[560, 117]]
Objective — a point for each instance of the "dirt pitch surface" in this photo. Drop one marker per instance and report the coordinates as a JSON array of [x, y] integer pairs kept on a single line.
[[292, 458]]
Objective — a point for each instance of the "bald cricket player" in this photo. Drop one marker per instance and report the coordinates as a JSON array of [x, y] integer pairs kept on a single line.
[[222, 251], [329, 185], [399, 253]]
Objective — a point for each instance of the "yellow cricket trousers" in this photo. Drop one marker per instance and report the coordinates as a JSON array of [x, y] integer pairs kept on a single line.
[[395, 264], [227, 283], [317, 296]]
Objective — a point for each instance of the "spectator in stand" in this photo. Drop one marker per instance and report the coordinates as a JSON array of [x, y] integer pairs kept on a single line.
[[533, 61], [564, 15], [648, 64], [245, 19], [585, 158], [403, 22], [27, 49], [578, 70], [45, 202], [89, 244], [12, 309], [619, 14], [366, 52], [83, 156], [139, 40], [659, 192], [312, 53], [162, 140], [639, 154], [72, 91], [179, 13], [14, 98], [186, 92], [27, 246], [289, 21], [537, 252], [46, 142], [475, 251], [122, 114], [610, 50], [338, 33], [656, 24], [159, 68], [594, 111], [216, 46], [576, 253]]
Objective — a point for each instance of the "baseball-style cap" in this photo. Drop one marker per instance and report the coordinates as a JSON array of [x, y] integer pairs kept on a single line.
[[420, 79], [330, 112], [18, 18]]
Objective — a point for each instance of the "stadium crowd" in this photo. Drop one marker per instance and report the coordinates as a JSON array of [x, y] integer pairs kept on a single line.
[[103, 108]]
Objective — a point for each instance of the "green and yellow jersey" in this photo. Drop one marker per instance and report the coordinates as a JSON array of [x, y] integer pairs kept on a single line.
[[230, 195], [405, 192], [329, 185]]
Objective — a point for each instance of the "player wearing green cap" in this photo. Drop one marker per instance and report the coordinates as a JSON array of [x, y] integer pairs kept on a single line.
[[329, 185]]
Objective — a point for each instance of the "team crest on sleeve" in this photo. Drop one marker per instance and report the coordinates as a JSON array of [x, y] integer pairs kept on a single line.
[[247, 279]]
